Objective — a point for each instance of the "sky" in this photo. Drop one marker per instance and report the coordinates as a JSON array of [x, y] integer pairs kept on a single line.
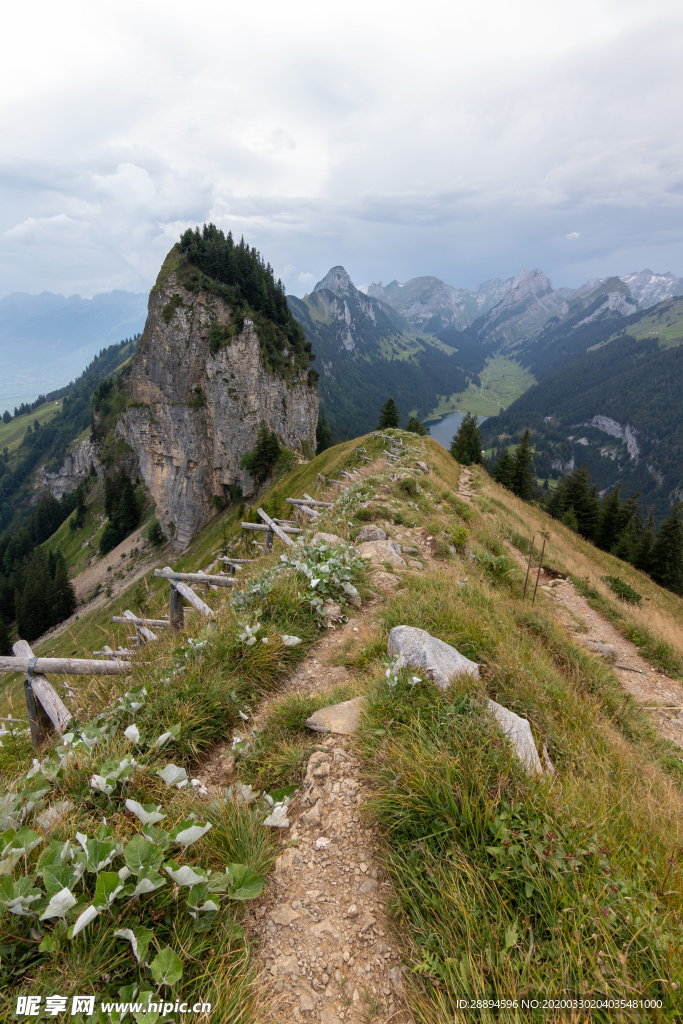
[[455, 139]]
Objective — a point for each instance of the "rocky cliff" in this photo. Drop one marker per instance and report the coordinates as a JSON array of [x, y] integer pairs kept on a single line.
[[196, 404]]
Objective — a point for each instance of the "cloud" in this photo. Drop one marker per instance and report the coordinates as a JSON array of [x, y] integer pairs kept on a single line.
[[372, 140]]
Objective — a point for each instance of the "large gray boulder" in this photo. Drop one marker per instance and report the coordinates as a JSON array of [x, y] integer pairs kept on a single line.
[[442, 663], [379, 551], [371, 532], [437, 660]]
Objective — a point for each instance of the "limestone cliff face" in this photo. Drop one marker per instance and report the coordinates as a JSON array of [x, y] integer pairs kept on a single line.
[[192, 415], [75, 468]]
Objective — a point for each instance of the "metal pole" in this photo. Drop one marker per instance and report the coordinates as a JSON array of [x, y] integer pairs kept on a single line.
[[269, 542], [538, 573], [528, 566]]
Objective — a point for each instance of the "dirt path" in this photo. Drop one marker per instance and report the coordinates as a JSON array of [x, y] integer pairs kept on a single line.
[[324, 942], [653, 689], [465, 484]]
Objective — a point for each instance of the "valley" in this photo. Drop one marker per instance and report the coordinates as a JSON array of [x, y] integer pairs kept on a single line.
[[503, 380]]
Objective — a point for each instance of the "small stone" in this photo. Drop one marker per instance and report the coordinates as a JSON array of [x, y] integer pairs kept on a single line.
[[379, 551], [396, 981], [327, 538], [370, 532], [368, 885], [332, 611], [353, 911], [313, 817], [322, 843], [284, 916], [323, 927], [385, 580], [306, 1004], [414, 564], [342, 719]]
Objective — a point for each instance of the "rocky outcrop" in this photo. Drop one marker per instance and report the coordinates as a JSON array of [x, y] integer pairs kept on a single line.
[[193, 414], [75, 468]]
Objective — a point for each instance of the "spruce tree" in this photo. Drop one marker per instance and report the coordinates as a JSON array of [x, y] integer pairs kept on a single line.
[[626, 544], [610, 524], [415, 427], [583, 496], [33, 609], [643, 553], [389, 415], [502, 471], [666, 562], [5, 640], [569, 519], [323, 436], [63, 594], [522, 478], [466, 447]]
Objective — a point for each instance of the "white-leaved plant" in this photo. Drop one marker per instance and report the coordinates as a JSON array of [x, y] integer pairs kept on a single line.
[[173, 776]]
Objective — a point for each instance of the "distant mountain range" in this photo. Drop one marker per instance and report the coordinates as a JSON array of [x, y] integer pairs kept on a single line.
[[46, 340]]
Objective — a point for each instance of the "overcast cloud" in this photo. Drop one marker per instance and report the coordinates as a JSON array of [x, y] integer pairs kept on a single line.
[[456, 139]]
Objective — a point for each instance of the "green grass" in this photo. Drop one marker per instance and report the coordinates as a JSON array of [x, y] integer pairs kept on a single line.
[[11, 433], [502, 381], [487, 900]]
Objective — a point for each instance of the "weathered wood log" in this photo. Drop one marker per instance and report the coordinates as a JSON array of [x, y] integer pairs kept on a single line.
[[194, 577], [62, 666], [262, 527], [277, 530], [144, 631], [306, 500], [168, 574], [309, 511], [157, 623]]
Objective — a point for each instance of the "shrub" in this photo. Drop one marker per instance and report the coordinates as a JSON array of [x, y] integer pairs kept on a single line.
[[623, 590], [153, 532]]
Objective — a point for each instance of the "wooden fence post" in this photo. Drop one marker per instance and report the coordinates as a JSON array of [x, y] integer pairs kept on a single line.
[[176, 608], [46, 711]]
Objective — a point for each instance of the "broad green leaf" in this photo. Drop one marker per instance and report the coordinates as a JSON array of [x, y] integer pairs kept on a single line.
[[108, 887], [144, 999], [55, 853], [59, 904], [19, 896], [48, 945], [166, 968], [148, 881], [278, 795], [141, 855], [171, 734], [188, 833], [184, 875], [139, 939], [156, 836], [149, 814], [56, 878], [202, 922], [99, 783], [244, 884], [173, 776], [100, 854], [88, 915], [21, 843]]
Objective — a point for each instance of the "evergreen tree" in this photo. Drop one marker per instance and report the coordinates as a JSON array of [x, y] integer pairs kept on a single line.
[[583, 496], [33, 607], [5, 640], [388, 415], [266, 452], [415, 427], [666, 562], [6, 416], [466, 447], [63, 594], [643, 553], [627, 542], [522, 478], [611, 520], [569, 519], [323, 436], [502, 471]]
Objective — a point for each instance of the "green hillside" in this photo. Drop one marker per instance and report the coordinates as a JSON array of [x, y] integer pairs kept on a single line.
[[492, 883]]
